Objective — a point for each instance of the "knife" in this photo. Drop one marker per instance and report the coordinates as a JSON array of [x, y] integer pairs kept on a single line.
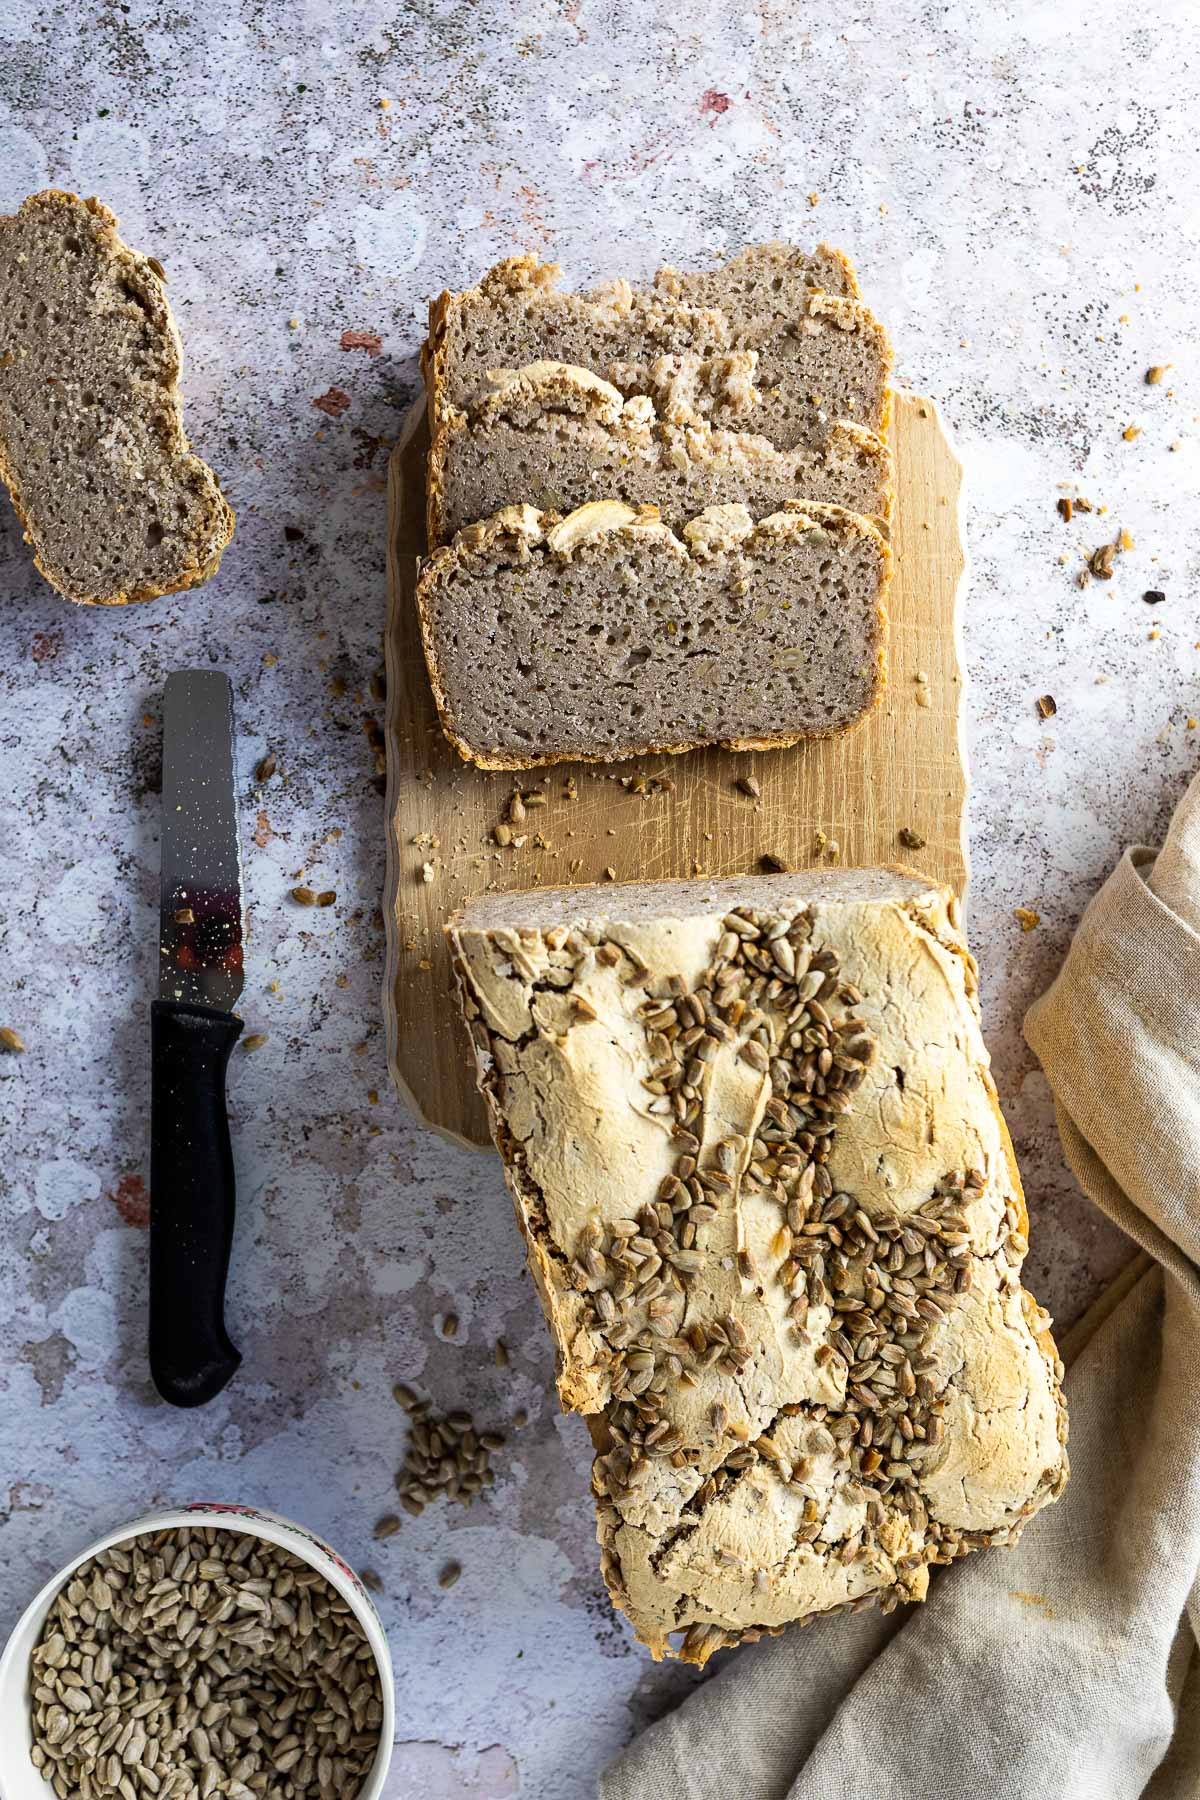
[[192, 1033]]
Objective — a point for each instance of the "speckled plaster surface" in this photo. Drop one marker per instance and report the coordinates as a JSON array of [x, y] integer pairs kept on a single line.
[[1020, 195]]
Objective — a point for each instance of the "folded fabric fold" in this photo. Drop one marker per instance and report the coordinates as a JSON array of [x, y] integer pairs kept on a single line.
[[1068, 1666]]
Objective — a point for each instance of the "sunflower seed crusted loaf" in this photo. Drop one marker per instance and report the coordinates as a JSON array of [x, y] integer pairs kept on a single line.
[[775, 342], [604, 635], [92, 446], [773, 1214], [556, 436]]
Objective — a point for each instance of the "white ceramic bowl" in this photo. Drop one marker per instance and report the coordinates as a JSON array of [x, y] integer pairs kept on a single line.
[[19, 1780]]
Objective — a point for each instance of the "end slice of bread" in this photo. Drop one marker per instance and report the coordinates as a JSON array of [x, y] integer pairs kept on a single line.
[[558, 436], [758, 345], [604, 635], [92, 445]]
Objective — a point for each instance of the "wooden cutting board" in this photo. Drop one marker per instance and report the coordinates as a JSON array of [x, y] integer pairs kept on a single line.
[[664, 816]]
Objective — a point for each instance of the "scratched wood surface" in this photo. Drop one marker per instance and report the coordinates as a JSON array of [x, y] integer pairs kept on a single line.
[[904, 771]]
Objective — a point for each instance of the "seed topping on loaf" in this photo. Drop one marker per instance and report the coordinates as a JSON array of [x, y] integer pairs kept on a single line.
[[808, 1392]]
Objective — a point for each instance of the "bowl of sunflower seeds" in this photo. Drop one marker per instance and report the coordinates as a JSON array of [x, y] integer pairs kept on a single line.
[[210, 1651]]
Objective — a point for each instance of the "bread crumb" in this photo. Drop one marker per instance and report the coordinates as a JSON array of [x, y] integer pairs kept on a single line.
[[11, 1041], [1155, 373], [1130, 432], [427, 872], [1026, 918], [1153, 633]]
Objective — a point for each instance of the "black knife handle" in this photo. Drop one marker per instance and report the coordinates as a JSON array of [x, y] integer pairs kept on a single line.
[[191, 1201]]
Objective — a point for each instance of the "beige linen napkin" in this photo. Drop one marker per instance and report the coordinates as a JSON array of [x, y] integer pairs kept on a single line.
[[1065, 1669]]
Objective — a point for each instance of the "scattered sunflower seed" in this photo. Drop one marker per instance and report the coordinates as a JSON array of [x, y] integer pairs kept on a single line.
[[11, 1040], [1101, 562], [266, 768], [1155, 373], [1047, 706], [445, 1455], [304, 896], [255, 1041], [912, 840], [449, 1575], [1065, 508]]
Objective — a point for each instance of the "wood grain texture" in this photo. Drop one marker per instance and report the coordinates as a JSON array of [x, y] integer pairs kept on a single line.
[[904, 770]]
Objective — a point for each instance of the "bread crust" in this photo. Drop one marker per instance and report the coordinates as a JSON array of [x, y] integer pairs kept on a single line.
[[800, 515], [208, 543], [580, 1141]]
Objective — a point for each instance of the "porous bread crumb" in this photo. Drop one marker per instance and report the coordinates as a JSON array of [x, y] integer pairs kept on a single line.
[[92, 445], [660, 665]]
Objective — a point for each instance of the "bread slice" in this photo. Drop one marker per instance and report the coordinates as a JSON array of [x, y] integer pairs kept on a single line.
[[556, 436], [776, 1224], [603, 635], [759, 345], [92, 446]]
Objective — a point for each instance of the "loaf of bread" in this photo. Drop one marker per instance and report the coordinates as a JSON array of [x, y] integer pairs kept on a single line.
[[92, 446], [775, 343], [773, 1214], [557, 436], [604, 635]]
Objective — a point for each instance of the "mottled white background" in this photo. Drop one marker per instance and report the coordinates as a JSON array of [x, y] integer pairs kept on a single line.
[[1020, 188]]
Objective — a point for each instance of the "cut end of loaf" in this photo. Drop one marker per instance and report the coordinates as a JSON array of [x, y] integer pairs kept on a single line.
[[92, 445], [637, 902], [604, 635]]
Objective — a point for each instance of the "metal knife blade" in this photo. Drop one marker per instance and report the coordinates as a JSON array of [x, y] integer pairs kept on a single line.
[[200, 928]]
